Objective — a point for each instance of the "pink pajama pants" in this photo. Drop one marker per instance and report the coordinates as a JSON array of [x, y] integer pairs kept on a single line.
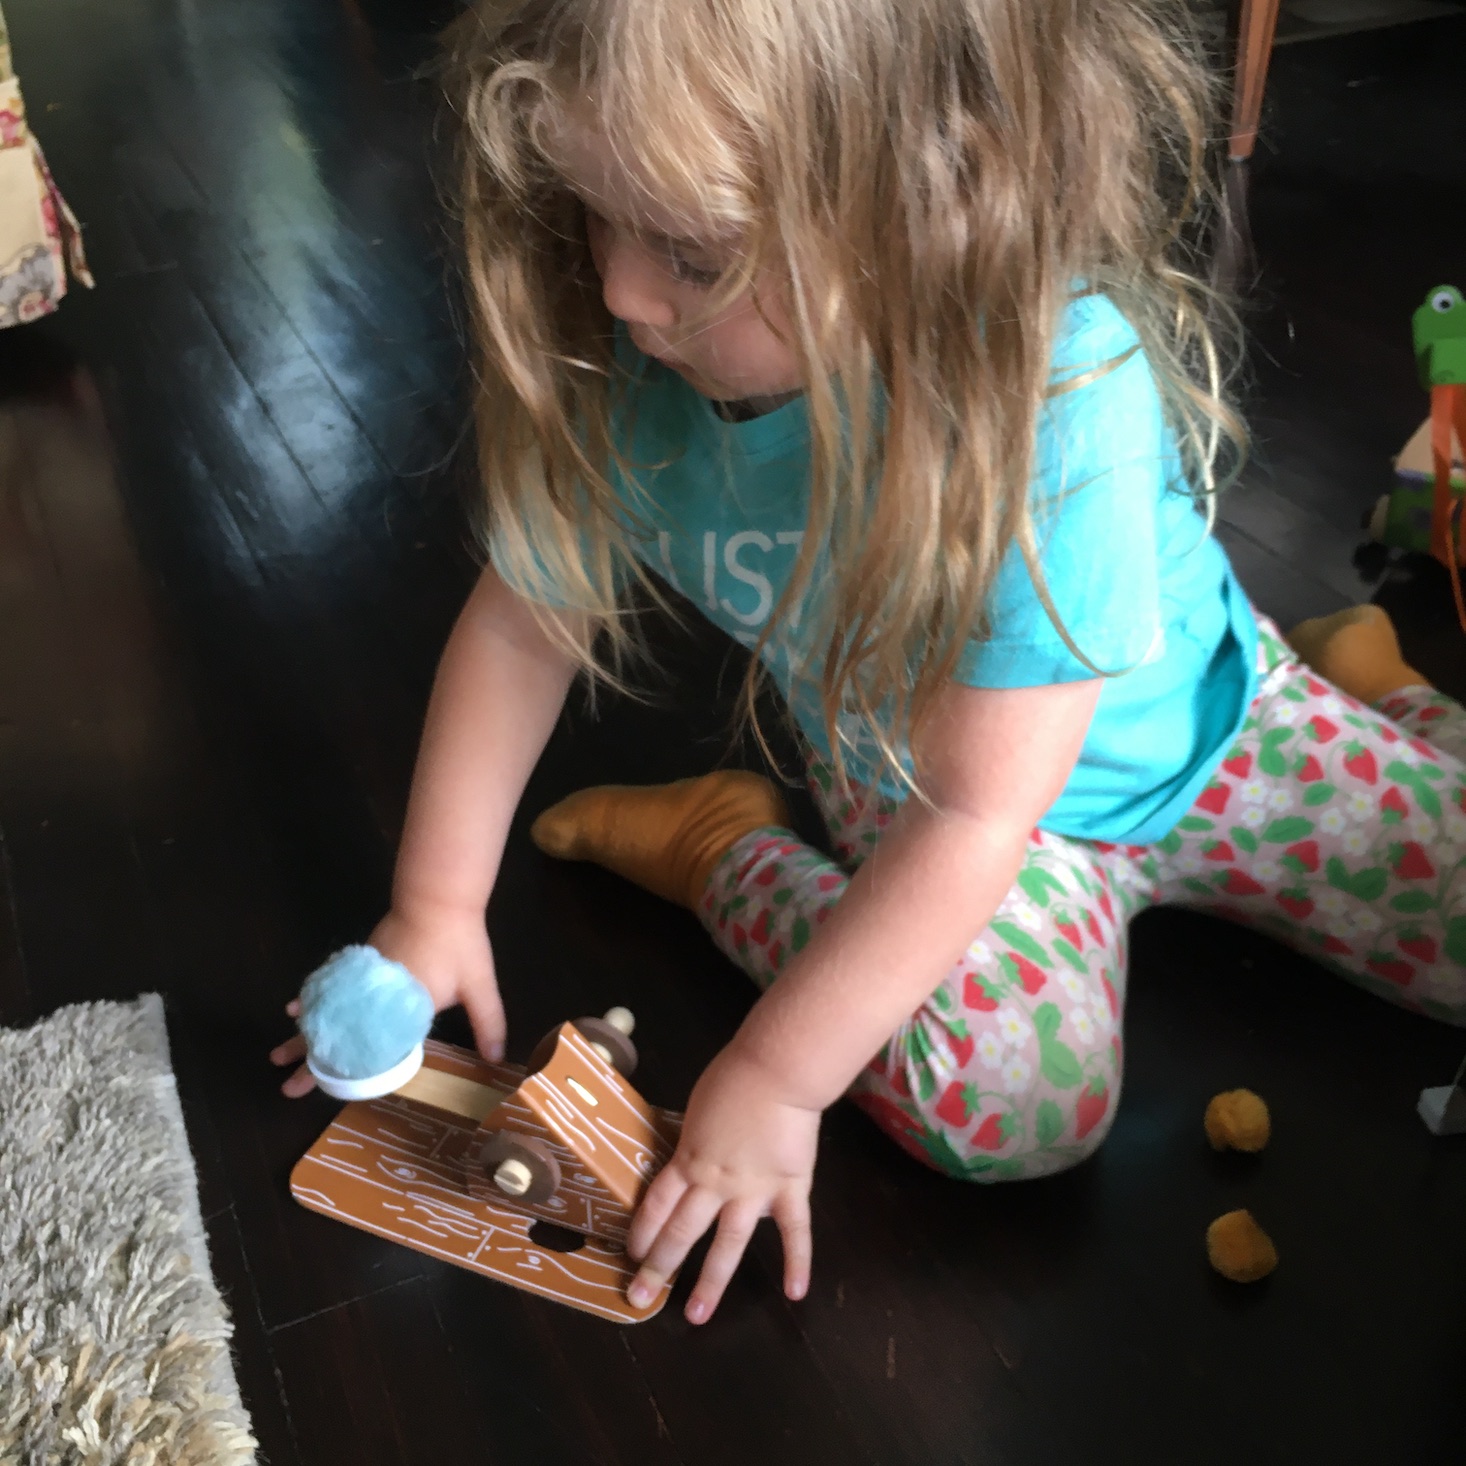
[[1338, 828]]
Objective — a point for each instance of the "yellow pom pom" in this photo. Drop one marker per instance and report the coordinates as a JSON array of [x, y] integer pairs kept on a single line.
[[1239, 1249], [1237, 1120]]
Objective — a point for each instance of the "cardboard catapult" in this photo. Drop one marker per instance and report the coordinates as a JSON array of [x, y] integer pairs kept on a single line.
[[529, 1174]]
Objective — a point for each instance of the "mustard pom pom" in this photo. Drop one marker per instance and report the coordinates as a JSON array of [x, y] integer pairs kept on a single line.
[[1237, 1120], [1239, 1249]]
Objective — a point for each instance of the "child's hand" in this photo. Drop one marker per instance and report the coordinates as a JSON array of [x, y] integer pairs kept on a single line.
[[448, 953], [744, 1154]]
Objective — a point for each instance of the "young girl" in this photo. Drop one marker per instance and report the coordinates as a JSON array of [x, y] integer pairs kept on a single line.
[[861, 324]]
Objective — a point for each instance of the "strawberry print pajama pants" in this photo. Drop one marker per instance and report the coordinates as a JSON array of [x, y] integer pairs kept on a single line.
[[1339, 828]]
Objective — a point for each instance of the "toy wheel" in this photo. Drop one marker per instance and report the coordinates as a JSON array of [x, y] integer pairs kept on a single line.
[[610, 1035], [520, 1167], [614, 1046]]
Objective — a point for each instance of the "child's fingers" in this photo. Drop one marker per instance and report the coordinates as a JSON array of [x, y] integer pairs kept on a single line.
[[660, 1201], [293, 1007], [791, 1213], [694, 1215], [292, 1051], [299, 1083], [735, 1227], [486, 1018]]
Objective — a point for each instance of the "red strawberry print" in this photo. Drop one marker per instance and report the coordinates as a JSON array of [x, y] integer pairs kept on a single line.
[[1412, 863], [1239, 883], [761, 929], [1092, 927], [830, 881], [878, 1064], [1091, 1108], [1315, 687], [1070, 933], [822, 914], [1305, 852], [955, 1106], [1300, 908], [1360, 764], [740, 936], [1105, 847], [1239, 765], [1029, 974], [1214, 799], [961, 1043], [1311, 772], [1387, 733], [1322, 729], [1392, 970], [769, 874], [776, 956], [900, 1084], [1106, 907], [1116, 1051], [975, 995], [1112, 995], [1422, 747], [1337, 947], [1423, 949], [1219, 851], [1392, 802], [1426, 715], [992, 1134]]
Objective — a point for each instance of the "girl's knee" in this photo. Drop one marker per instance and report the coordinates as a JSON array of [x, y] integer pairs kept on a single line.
[[1055, 1116]]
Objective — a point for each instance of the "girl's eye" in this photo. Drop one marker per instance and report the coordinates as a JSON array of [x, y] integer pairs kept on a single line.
[[686, 273]]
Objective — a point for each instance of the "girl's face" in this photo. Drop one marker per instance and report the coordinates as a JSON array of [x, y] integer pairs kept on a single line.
[[656, 279]]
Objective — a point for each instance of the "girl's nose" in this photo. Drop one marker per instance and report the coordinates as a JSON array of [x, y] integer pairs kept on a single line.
[[634, 289]]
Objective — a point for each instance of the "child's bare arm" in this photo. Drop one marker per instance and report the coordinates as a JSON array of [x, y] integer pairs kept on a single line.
[[499, 688], [992, 762]]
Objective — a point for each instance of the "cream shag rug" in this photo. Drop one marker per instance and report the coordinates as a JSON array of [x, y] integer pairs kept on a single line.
[[113, 1337]]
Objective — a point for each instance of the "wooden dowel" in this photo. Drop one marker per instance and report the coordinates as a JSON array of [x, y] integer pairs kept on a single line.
[[451, 1092]]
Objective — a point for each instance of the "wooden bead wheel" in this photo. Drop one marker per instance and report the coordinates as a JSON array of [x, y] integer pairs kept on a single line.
[[520, 1166], [609, 1036]]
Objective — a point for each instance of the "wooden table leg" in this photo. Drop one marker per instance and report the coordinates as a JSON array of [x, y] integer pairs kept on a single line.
[[1258, 22]]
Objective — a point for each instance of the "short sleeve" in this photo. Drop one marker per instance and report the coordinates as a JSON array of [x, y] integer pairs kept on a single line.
[[1101, 468]]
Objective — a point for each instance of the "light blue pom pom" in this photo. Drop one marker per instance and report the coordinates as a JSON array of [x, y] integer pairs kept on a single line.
[[362, 1013]]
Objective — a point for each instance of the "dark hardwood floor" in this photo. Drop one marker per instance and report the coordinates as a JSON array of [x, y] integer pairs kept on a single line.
[[231, 542]]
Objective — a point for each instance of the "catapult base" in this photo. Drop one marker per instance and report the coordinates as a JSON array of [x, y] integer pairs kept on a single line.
[[396, 1168]]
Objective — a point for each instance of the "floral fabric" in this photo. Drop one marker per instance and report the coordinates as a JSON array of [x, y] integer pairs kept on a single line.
[[1338, 828], [39, 235]]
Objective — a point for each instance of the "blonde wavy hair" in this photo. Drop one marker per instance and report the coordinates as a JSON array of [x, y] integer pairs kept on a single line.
[[928, 179]]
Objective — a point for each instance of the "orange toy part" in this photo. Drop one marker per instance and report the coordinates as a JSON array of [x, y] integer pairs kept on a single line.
[[607, 1141], [1447, 412]]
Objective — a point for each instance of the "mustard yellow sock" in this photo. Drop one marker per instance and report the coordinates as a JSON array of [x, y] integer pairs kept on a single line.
[[665, 837], [1357, 650]]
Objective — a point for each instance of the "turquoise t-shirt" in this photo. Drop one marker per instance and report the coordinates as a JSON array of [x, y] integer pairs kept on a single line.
[[1142, 589]]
